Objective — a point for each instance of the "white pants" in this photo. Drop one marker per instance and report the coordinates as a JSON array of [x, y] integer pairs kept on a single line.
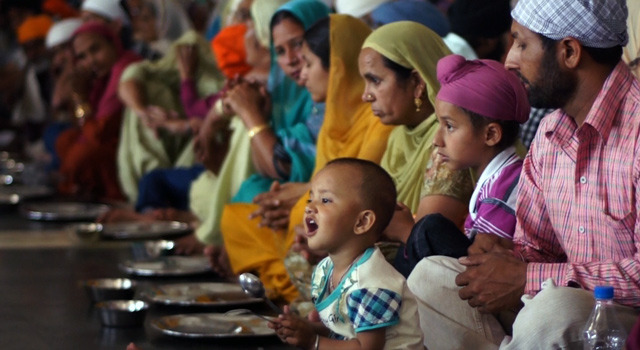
[[553, 319]]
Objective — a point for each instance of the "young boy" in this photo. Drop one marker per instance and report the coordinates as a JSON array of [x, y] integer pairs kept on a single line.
[[361, 300], [480, 107]]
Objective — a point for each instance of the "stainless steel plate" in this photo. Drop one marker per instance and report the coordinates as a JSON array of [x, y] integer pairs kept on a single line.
[[212, 325], [64, 211], [168, 266], [14, 194], [200, 294], [143, 230]]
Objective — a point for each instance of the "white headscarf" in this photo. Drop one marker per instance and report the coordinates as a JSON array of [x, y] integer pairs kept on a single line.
[[595, 23], [110, 9], [61, 31], [358, 8]]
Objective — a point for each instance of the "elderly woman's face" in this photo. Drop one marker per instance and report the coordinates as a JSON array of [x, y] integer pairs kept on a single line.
[[94, 53], [391, 100], [288, 37]]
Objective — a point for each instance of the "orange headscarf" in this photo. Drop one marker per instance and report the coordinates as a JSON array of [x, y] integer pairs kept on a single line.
[[228, 47], [59, 8], [34, 27]]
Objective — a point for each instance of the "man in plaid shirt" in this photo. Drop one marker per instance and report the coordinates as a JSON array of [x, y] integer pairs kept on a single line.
[[577, 224]]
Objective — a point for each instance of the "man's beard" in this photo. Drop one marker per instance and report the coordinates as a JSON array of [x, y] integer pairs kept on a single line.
[[554, 87]]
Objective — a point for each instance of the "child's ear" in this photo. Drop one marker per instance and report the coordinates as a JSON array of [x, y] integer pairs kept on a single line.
[[493, 134], [364, 222]]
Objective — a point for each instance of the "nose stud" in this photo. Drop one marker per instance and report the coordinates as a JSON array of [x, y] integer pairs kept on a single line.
[[369, 97]]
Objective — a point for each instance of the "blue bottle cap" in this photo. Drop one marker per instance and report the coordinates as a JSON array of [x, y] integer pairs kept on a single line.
[[603, 292]]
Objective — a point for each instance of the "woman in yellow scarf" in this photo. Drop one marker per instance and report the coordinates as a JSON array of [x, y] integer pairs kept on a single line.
[[349, 130]]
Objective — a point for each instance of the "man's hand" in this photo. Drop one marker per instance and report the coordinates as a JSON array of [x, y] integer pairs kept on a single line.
[[486, 242], [493, 281]]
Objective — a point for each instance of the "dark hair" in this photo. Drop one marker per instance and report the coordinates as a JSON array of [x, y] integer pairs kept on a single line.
[[377, 191], [510, 128], [608, 56], [317, 38], [402, 73], [281, 16]]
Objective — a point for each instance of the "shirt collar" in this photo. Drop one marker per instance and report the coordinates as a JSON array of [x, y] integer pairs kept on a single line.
[[600, 116]]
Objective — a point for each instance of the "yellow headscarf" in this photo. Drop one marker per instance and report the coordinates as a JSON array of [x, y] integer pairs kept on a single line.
[[412, 46], [349, 128], [631, 52]]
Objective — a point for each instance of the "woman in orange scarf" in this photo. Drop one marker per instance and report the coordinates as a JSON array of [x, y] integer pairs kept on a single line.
[[349, 130], [88, 151]]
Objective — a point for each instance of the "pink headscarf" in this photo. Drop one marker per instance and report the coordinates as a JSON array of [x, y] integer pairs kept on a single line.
[[101, 29], [484, 87]]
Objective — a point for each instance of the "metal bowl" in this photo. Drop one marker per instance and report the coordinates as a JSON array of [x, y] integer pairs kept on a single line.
[[147, 250], [110, 289], [122, 313], [87, 231]]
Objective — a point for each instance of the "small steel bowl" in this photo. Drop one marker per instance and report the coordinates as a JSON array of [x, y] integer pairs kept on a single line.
[[110, 289], [88, 231], [122, 313]]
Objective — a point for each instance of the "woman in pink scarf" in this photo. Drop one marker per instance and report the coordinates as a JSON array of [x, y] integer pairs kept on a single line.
[[88, 151]]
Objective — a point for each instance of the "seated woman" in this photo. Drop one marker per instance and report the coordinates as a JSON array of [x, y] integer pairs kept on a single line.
[[221, 145], [151, 92], [157, 23], [87, 152], [398, 62], [349, 130]]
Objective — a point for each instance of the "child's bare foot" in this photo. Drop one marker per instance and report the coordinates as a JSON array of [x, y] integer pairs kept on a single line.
[[219, 260], [171, 214], [133, 346], [122, 215], [188, 245]]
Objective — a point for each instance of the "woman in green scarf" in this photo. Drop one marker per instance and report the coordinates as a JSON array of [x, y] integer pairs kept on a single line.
[[152, 87], [398, 62]]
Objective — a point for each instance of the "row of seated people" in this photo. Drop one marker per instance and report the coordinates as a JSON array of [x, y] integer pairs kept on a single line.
[[443, 128]]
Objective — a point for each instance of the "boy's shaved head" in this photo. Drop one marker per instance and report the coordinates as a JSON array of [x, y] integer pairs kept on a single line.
[[377, 190]]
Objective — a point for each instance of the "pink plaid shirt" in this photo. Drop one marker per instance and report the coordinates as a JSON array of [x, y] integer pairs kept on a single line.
[[580, 193]]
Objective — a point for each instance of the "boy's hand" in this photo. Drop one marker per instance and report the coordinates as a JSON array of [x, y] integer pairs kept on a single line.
[[294, 330]]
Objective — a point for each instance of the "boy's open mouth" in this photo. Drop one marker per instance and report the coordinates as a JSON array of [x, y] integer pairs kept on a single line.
[[311, 225]]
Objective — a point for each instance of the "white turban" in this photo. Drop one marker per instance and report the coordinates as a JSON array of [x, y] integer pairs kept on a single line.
[[358, 8], [110, 9], [595, 23], [61, 31]]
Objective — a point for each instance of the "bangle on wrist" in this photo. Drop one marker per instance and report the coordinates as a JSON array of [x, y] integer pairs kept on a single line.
[[317, 344], [256, 130]]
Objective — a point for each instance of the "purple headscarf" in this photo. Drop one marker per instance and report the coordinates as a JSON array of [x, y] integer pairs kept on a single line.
[[484, 87]]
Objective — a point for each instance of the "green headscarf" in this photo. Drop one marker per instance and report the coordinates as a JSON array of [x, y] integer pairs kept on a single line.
[[261, 12], [413, 46], [291, 107]]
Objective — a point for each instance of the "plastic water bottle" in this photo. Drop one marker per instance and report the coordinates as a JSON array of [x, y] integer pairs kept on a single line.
[[603, 331]]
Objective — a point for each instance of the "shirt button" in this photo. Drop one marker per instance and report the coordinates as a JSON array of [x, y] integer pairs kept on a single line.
[[581, 229], [583, 180]]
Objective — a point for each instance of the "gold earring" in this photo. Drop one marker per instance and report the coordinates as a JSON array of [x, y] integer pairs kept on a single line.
[[418, 103]]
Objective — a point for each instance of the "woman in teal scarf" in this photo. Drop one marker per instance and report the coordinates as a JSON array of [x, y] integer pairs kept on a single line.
[[282, 144]]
